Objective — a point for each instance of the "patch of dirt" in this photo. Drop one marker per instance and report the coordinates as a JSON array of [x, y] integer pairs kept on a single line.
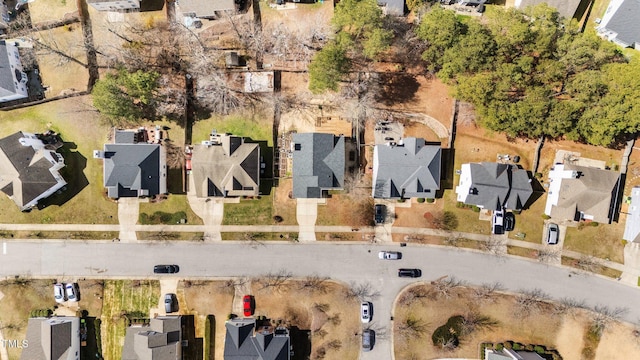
[[415, 215], [617, 339]]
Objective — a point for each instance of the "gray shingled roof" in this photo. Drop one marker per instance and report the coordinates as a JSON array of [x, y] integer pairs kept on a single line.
[[129, 168], [7, 86], [229, 169], [318, 164], [393, 7], [496, 185], [160, 340], [626, 23], [25, 172], [52, 339], [566, 8], [240, 344], [205, 8], [409, 170]]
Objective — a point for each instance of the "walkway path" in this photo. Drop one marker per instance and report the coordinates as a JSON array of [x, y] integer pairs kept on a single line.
[[128, 213], [306, 214]]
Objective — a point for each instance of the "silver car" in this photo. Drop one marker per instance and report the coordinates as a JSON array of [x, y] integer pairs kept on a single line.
[[58, 293], [553, 234]]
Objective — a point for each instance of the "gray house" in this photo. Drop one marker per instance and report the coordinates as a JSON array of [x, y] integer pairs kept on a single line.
[[29, 168], [266, 343], [318, 164], [205, 8], [225, 166], [160, 340], [392, 7], [566, 8], [406, 170], [13, 79], [114, 5], [56, 338], [494, 186], [632, 226], [621, 23], [134, 166]]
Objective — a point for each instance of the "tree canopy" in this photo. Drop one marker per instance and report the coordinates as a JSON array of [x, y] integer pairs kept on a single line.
[[530, 73], [126, 95]]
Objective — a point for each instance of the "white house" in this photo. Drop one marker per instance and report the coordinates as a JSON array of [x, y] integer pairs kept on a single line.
[[13, 79]]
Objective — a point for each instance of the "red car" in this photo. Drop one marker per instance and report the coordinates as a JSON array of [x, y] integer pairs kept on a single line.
[[247, 305]]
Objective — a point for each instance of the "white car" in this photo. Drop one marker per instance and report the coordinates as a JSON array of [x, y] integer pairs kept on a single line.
[[365, 312], [389, 255], [72, 291], [58, 293]]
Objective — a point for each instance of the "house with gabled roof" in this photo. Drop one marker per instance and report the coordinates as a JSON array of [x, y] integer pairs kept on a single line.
[[621, 23], [582, 193], [30, 167], [318, 164], [408, 169], [163, 338], [225, 166], [245, 341], [13, 79], [54, 338], [494, 186], [134, 166], [205, 8], [509, 354], [566, 8], [632, 225], [114, 5]]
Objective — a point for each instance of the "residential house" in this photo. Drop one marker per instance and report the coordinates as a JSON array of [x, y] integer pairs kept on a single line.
[[318, 164], [392, 7], [55, 338], [225, 166], [114, 5], [494, 186], [621, 23], [205, 8], [632, 226], [13, 79], [163, 338], [241, 342], [30, 167], [409, 169], [509, 354], [582, 193], [566, 8], [135, 165]]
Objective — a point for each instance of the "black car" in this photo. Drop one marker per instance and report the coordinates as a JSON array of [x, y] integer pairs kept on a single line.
[[166, 269], [379, 213], [509, 221], [412, 273]]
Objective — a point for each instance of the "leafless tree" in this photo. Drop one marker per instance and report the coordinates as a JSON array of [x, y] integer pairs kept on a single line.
[[588, 263], [214, 93], [473, 321], [411, 327], [275, 280], [529, 301], [452, 240], [361, 291], [603, 316], [568, 306], [230, 285], [174, 154], [314, 284], [486, 292], [547, 254], [444, 287], [495, 246], [416, 293]]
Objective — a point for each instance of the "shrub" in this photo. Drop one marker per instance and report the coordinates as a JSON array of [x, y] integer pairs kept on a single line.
[[400, 200], [517, 346], [594, 223], [277, 218], [539, 349], [448, 334], [459, 204], [499, 347], [430, 200], [420, 200], [475, 209], [546, 217], [517, 212], [508, 344]]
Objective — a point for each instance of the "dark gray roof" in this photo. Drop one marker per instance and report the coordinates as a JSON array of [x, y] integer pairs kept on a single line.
[[626, 22], [52, 339], [160, 340], [25, 172], [131, 168], [408, 170], [393, 7], [7, 85], [566, 8], [318, 164], [495, 185], [240, 344], [205, 8]]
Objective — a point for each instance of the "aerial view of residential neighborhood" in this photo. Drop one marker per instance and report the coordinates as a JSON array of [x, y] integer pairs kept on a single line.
[[319, 180]]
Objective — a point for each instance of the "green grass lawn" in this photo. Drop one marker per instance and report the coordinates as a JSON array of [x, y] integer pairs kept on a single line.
[[257, 125], [256, 211], [602, 241], [84, 200], [467, 218], [124, 297], [173, 204], [530, 223]]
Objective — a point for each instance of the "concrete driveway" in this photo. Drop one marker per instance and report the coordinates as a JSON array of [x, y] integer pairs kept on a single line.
[[128, 213], [306, 215], [167, 286]]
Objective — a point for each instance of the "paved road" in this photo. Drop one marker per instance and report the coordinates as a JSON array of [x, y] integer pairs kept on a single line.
[[348, 262]]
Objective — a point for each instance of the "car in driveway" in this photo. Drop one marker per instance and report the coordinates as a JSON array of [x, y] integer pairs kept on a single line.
[[58, 293], [389, 255], [166, 269], [411, 273], [509, 221], [365, 312], [553, 234], [368, 339], [248, 305], [170, 303], [72, 292], [497, 223], [380, 211]]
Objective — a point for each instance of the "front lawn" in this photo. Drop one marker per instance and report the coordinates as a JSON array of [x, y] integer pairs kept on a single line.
[[168, 211]]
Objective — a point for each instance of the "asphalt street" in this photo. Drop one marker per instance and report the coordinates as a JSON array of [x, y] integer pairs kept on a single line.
[[351, 263]]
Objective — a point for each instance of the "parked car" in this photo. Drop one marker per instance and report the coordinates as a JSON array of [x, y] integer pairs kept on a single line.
[[497, 227], [509, 221], [413, 273], [166, 269], [380, 211], [58, 293], [389, 255], [72, 292], [368, 339], [170, 303], [248, 305], [365, 312], [553, 234]]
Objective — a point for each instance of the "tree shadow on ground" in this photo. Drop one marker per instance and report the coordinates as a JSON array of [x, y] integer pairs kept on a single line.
[[397, 88], [73, 174], [301, 343]]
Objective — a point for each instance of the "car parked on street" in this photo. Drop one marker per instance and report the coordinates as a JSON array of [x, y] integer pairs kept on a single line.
[[412, 273], [365, 312], [166, 269], [248, 305], [553, 234], [72, 292], [170, 303], [368, 339], [58, 293], [389, 255]]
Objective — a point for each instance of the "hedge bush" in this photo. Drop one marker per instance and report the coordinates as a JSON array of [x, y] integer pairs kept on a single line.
[[448, 333], [430, 200], [420, 200]]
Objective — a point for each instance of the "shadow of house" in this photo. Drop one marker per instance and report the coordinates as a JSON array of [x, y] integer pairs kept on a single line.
[[90, 349], [397, 88], [74, 172], [301, 343]]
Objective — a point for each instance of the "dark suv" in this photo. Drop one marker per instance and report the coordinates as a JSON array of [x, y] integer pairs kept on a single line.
[[412, 273], [379, 214], [166, 269]]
